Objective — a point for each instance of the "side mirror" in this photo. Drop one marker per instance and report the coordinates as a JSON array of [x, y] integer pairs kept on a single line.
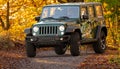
[[37, 18], [85, 17]]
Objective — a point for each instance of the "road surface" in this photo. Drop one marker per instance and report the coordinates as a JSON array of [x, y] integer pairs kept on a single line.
[[50, 60]]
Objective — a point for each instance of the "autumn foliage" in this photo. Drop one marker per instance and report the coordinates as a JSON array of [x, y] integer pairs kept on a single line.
[[16, 15], [21, 16]]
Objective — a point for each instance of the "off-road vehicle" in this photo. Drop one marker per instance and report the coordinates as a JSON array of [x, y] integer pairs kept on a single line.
[[68, 25]]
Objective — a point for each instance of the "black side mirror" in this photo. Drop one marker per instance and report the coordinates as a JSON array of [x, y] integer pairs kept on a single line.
[[37, 18], [85, 17]]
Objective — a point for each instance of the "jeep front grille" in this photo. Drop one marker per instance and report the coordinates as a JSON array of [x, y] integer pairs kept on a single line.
[[48, 30]]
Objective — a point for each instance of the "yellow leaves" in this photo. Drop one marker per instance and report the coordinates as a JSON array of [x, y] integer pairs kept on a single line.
[[64, 0], [108, 12], [105, 4], [2, 1], [17, 32], [22, 13]]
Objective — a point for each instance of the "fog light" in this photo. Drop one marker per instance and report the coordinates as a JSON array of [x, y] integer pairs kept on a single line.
[[62, 33], [31, 40], [61, 38], [34, 34]]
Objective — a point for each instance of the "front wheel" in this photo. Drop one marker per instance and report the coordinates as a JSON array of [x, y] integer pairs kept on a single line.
[[100, 45], [30, 50], [60, 50], [74, 44]]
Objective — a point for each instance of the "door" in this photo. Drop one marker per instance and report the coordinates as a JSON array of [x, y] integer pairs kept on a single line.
[[86, 28]]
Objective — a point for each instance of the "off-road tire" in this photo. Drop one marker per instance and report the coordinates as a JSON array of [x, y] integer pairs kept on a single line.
[[100, 46], [30, 50], [60, 50], [74, 44]]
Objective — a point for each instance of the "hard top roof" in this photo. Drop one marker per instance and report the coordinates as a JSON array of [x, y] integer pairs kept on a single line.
[[76, 3]]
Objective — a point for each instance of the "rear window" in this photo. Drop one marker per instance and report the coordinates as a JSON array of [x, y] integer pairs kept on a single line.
[[91, 11], [98, 11]]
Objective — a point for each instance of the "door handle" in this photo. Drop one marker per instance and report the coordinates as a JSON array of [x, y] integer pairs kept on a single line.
[[95, 21]]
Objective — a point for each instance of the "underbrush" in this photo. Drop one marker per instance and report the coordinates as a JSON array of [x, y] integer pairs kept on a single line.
[[115, 60], [11, 38], [6, 42]]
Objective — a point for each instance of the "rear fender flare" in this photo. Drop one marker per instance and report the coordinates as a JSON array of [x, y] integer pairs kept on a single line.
[[98, 31]]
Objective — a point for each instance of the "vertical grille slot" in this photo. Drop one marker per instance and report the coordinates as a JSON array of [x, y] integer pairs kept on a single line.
[[48, 30]]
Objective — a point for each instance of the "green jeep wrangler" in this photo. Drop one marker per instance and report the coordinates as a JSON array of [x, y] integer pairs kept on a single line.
[[68, 24]]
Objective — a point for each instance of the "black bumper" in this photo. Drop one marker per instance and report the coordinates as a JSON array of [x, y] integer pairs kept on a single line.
[[48, 40]]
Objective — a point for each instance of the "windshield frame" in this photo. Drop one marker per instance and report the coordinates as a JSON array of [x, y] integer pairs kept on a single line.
[[63, 6]]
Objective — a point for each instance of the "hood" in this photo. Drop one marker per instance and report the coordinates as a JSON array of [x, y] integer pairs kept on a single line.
[[55, 23]]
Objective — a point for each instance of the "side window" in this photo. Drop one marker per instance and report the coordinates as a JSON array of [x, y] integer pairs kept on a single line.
[[91, 11], [83, 11], [98, 9]]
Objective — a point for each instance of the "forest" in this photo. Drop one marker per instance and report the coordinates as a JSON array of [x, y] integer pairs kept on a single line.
[[17, 15]]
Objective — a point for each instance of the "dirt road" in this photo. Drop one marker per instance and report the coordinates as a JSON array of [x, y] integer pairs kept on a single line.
[[49, 60]]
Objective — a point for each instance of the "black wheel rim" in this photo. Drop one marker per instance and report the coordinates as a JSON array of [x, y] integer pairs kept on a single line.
[[103, 42], [65, 48]]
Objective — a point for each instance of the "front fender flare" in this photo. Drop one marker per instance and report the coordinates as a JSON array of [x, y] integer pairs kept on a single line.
[[28, 31], [70, 29]]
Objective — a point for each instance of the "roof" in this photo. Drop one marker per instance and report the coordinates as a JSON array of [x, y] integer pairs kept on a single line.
[[75, 3]]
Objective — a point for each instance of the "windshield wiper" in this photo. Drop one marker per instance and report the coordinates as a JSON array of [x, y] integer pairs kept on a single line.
[[48, 18], [64, 17]]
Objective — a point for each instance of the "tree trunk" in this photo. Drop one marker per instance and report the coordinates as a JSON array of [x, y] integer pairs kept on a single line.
[[2, 23], [7, 17], [5, 25]]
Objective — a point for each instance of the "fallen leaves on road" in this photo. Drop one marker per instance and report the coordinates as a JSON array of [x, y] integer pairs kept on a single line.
[[100, 61], [11, 59]]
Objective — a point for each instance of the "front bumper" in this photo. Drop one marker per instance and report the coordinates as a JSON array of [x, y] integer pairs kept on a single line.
[[48, 40]]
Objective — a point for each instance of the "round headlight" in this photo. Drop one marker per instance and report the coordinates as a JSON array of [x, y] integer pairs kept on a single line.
[[35, 29], [61, 28]]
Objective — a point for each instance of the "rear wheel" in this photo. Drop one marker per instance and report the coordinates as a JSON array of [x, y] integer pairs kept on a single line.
[[74, 44], [100, 45], [60, 50]]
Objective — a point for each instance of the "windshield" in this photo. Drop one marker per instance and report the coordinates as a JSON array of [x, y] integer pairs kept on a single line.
[[57, 12]]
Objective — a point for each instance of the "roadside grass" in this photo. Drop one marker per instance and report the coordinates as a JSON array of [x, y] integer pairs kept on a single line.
[[116, 58], [116, 61]]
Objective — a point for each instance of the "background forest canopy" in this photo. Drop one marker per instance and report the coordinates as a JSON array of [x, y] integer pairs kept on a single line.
[[16, 15]]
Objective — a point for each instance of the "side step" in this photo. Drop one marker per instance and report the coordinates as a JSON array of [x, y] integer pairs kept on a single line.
[[87, 41]]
